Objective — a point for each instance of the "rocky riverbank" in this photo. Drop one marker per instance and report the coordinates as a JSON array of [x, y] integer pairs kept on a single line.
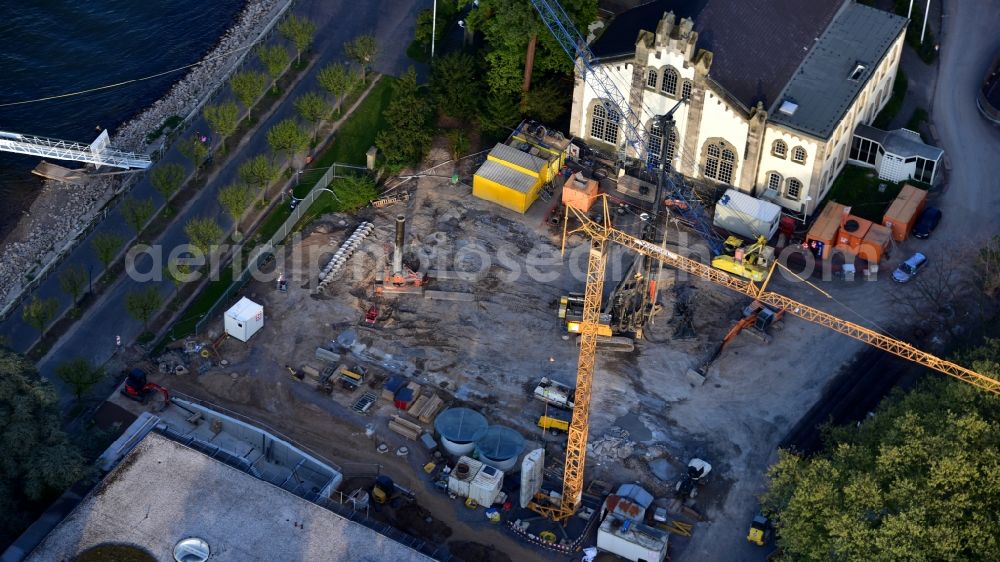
[[61, 212]]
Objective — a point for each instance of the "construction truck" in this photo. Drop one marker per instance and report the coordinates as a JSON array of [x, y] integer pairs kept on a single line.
[[750, 262], [760, 530], [555, 393]]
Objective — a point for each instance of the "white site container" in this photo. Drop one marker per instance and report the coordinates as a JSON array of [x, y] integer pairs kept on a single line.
[[486, 486], [460, 481], [746, 216], [244, 319]]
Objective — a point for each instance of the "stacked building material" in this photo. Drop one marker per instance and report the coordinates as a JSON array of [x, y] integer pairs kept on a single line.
[[405, 428], [343, 254]]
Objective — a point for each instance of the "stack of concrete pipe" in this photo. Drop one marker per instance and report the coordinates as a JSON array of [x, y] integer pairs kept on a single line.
[[343, 254]]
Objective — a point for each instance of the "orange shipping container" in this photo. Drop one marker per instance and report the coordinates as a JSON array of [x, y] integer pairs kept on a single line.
[[904, 211], [823, 233], [852, 232], [579, 192], [876, 244]]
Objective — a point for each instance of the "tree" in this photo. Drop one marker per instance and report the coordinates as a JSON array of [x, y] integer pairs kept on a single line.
[[80, 375], [248, 86], [39, 461], [507, 26], [194, 150], [458, 143], [106, 245], [39, 312], [408, 134], [235, 199], [362, 50], [72, 280], [288, 137], [258, 172], [446, 12], [167, 179], [456, 86], [300, 31], [546, 102], [987, 267], [137, 212], [223, 119], [924, 466], [143, 304], [203, 233], [179, 272], [275, 60], [500, 115], [338, 80], [354, 192], [312, 107]]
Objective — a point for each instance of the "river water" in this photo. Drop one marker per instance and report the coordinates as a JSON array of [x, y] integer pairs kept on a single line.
[[52, 47]]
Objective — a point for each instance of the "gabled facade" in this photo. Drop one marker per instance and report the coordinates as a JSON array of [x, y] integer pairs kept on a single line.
[[784, 139]]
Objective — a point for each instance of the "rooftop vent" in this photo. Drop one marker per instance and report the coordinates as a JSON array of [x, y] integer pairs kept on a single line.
[[851, 225], [858, 72], [192, 549], [788, 107]]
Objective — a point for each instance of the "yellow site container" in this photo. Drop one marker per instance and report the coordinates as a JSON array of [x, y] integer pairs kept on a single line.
[[521, 161], [505, 186]]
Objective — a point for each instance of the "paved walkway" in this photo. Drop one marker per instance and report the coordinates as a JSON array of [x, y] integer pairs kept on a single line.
[[93, 336]]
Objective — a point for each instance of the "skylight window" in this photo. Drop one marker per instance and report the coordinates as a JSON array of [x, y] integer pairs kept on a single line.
[[859, 71]]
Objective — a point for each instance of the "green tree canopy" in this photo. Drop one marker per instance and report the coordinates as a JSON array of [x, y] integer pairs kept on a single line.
[[143, 304], [275, 60], [38, 313], [258, 172], [408, 134], [194, 150], [312, 107], [137, 212], [223, 118], [456, 86], [72, 280], [179, 272], [362, 50], [39, 461], [248, 86], [919, 481], [300, 31], [80, 375], [203, 233], [235, 199], [354, 192], [288, 137], [167, 179], [339, 81], [106, 245], [508, 24]]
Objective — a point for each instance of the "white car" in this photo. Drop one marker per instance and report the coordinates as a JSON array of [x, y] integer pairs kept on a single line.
[[909, 268]]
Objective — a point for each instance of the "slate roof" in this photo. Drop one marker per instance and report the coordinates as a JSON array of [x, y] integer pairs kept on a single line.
[[901, 142], [821, 86], [757, 44]]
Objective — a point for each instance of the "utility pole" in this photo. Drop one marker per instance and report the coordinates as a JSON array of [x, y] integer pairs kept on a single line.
[[529, 64], [434, 23], [927, 12]]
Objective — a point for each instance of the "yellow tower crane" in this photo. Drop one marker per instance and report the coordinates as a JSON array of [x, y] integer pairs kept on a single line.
[[600, 234]]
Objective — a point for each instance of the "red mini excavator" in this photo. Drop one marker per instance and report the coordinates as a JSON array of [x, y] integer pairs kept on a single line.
[[137, 388]]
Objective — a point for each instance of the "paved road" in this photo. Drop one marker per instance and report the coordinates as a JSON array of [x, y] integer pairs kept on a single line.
[[92, 337]]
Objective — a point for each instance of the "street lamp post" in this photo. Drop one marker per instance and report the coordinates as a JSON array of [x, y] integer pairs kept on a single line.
[[434, 21]]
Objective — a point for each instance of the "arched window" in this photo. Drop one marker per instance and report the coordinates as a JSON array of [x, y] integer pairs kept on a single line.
[[799, 155], [774, 181], [669, 85], [720, 162], [651, 78], [794, 190], [779, 149], [671, 149], [655, 144], [686, 89], [604, 126]]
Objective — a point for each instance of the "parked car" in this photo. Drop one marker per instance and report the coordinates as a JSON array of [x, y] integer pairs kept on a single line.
[[909, 268], [927, 222]]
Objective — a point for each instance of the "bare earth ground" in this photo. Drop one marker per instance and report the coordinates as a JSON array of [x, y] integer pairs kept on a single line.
[[489, 353]]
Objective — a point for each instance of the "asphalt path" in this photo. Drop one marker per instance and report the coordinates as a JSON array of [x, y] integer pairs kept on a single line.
[[93, 336]]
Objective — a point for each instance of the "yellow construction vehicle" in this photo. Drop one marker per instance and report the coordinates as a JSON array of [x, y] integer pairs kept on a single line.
[[750, 262], [760, 530], [549, 422], [600, 234]]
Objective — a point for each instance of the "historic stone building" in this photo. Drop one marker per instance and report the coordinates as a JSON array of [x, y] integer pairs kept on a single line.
[[775, 88]]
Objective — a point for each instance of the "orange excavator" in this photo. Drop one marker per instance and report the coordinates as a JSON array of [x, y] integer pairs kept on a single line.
[[138, 388]]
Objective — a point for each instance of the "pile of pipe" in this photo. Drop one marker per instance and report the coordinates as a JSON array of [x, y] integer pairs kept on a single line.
[[343, 254]]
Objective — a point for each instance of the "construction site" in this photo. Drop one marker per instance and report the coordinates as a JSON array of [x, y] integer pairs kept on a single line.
[[445, 353]]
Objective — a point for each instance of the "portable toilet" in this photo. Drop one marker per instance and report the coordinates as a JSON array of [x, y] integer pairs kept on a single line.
[[244, 319]]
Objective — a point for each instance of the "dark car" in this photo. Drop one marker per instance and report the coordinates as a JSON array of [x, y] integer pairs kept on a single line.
[[927, 222]]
